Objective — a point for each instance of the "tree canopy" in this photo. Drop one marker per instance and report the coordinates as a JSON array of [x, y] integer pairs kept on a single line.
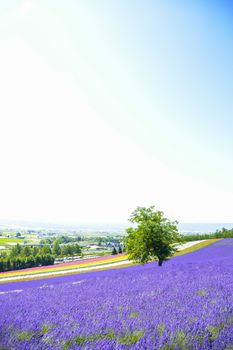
[[154, 237], [56, 248]]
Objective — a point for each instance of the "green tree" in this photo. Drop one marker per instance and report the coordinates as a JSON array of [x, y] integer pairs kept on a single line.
[[8, 264], [3, 254], [68, 249], [47, 259], [30, 261], [35, 251], [16, 250], [77, 249], [2, 265], [154, 237], [38, 260], [46, 249], [56, 248], [26, 251]]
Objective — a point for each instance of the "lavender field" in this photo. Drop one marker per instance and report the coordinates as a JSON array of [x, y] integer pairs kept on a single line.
[[185, 304]]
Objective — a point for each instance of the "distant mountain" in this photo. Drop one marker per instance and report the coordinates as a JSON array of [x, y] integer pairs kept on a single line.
[[184, 228]]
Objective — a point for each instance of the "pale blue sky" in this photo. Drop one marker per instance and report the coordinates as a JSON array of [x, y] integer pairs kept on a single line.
[[107, 105]]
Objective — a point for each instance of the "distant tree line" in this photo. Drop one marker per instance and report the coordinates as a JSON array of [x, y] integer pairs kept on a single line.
[[112, 239], [66, 249], [21, 257], [62, 239], [68, 239], [223, 233]]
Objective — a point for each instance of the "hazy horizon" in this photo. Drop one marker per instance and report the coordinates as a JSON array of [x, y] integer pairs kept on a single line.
[[107, 227]]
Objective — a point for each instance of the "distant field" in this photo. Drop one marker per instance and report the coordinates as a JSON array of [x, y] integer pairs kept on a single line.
[[5, 233], [5, 240]]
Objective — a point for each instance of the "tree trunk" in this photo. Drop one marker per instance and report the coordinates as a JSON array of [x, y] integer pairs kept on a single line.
[[160, 262]]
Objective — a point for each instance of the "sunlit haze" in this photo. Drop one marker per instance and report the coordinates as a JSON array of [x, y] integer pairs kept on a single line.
[[109, 105]]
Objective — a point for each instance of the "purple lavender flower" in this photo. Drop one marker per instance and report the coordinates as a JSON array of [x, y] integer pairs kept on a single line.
[[186, 304]]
